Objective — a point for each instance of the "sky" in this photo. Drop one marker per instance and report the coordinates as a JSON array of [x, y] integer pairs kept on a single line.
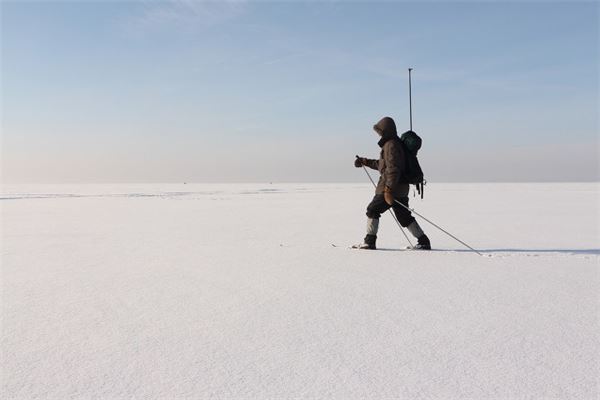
[[288, 91]]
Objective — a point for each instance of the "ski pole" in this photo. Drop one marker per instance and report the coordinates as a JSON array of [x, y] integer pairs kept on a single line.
[[393, 215], [440, 228]]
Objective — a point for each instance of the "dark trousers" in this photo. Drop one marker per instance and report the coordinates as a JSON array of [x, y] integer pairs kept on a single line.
[[378, 206]]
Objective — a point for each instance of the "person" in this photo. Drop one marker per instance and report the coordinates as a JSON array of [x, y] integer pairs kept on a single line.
[[391, 165]]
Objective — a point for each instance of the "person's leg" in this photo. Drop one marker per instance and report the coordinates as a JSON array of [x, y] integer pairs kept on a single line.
[[376, 207], [409, 222]]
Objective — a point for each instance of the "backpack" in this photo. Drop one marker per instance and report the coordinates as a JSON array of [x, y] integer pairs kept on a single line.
[[413, 174]]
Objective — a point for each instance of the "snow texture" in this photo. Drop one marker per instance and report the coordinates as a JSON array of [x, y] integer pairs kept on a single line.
[[237, 291]]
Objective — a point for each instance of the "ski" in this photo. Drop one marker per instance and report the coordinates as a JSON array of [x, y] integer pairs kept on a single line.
[[357, 247]]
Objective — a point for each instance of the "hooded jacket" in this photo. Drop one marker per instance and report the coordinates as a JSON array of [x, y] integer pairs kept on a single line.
[[391, 163]]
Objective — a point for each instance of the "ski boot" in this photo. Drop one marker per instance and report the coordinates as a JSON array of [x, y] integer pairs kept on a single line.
[[368, 243], [423, 243]]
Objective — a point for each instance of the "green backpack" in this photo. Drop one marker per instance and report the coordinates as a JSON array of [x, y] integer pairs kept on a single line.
[[413, 174]]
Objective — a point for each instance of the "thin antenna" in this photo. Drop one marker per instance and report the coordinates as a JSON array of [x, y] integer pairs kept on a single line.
[[410, 96]]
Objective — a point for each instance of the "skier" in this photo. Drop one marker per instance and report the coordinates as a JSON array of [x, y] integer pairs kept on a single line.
[[391, 165]]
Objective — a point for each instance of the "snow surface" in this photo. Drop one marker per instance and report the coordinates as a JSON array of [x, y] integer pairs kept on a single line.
[[235, 291]]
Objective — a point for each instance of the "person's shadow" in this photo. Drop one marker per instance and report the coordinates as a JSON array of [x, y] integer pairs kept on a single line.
[[511, 250], [563, 251]]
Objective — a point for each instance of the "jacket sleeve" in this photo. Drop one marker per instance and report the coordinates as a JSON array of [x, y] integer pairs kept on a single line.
[[373, 164], [393, 155]]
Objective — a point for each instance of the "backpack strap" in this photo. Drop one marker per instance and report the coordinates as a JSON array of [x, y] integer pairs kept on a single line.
[[421, 188]]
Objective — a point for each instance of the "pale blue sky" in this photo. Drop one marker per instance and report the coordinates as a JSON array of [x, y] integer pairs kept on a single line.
[[175, 91]]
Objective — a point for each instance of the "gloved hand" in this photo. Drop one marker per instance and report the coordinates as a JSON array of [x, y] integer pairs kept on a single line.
[[387, 196], [360, 161]]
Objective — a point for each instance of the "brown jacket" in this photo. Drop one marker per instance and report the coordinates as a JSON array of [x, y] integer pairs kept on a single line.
[[391, 161]]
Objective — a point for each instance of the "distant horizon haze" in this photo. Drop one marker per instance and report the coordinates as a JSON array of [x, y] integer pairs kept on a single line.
[[287, 92]]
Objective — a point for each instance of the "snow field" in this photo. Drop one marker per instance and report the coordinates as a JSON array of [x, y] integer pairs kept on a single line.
[[235, 291]]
